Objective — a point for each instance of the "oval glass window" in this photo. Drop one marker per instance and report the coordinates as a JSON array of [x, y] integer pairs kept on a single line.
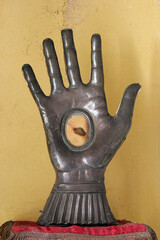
[[77, 129]]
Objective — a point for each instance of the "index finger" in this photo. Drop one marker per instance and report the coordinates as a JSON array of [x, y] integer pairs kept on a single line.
[[97, 76]]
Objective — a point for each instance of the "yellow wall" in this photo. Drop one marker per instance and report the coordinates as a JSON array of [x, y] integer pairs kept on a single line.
[[130, 31]]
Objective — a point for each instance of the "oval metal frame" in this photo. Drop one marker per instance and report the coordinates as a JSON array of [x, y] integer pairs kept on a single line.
[[66, 116]]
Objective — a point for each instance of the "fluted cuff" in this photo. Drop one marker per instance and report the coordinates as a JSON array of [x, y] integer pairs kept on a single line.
[[83, 204]]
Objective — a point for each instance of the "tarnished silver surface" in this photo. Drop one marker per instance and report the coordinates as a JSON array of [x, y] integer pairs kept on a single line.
[[78, 196]]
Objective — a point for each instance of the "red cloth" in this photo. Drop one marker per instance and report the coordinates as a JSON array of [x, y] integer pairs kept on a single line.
[[122, 228]]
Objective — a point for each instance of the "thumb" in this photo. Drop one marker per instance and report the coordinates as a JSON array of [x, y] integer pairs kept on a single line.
[[126, 107]]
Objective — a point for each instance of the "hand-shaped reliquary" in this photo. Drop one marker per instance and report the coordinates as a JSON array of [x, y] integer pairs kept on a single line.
[[81, 136]]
